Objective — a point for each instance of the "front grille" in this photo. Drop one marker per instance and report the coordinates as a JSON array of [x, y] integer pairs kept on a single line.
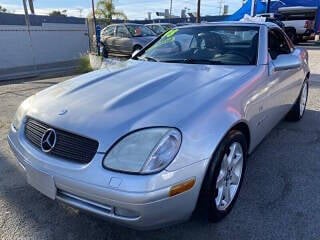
[[68, 146]]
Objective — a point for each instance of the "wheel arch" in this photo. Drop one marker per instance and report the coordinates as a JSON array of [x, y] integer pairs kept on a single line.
[[241, 126]]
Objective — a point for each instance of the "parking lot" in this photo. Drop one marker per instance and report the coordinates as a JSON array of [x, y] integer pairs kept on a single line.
[[278, 200]]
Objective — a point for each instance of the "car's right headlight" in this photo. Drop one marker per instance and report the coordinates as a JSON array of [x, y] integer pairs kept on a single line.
[[20, 113], [145, 151]]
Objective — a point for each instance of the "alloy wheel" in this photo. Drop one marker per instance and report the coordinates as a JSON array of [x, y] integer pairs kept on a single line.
[[229, 177]]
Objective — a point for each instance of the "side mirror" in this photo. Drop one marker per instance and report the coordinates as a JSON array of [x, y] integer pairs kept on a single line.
[[286, 62], [135, 53]]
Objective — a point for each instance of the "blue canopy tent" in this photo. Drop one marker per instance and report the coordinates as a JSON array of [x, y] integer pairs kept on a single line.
[[261, 7]]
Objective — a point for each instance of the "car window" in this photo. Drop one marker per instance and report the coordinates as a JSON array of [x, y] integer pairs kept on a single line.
[[220, 45], [109, 31], [277, 44], [157, 29], [140, 31], [122, 32], [182, 42]]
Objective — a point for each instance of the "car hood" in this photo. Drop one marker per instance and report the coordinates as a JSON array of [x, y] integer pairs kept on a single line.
[[107, 104]]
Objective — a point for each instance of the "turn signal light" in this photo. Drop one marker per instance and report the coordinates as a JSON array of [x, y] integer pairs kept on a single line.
[[182, 187]]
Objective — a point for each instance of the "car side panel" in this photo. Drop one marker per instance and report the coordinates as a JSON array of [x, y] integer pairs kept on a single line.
[[123, 45], [209, 124]]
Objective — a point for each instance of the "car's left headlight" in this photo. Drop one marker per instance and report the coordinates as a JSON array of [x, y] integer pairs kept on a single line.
[[20, 113], [145, 151]]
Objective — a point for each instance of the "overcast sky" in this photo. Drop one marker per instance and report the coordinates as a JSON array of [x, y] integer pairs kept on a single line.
[[134, 9]]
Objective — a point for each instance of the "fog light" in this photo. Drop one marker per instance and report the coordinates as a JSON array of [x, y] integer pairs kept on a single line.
[[125, 213], [182, 187]]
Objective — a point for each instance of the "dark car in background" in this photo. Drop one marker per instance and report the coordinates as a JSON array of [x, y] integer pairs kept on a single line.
[[124, 39], [160, 28]]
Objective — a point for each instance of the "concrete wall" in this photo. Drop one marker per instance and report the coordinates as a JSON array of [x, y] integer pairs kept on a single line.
[[43, 47]]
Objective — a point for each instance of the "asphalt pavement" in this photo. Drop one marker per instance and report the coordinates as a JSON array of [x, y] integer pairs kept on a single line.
[[280, 197]]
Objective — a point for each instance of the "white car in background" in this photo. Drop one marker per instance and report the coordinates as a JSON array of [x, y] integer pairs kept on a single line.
[[299, 22]]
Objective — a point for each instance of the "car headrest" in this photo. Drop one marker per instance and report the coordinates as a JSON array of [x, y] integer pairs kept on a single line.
[[211, 40]]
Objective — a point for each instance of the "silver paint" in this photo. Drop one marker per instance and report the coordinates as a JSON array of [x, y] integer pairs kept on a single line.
[[203, 101]]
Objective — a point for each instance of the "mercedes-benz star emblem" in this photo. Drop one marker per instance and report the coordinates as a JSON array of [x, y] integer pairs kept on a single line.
[[48, 140]]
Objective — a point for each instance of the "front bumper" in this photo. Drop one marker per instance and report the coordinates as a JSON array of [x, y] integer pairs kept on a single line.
[[140, 202]]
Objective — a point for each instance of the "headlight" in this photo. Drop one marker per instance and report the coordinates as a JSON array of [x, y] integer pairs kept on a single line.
[[145, 151], [20, 113]]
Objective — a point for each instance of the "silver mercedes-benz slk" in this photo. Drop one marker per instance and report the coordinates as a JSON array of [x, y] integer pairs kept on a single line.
[[145, 141]]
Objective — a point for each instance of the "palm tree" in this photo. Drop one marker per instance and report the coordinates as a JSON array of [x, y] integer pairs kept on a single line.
[[107, 10], [2, 9]]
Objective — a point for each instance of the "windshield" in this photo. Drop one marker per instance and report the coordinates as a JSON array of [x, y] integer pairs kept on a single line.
[[218, 45], [140, 31]]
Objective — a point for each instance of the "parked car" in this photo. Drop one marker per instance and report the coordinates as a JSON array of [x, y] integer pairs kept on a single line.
[[160, 28], [144, 142], [299, 22], [124, 39]]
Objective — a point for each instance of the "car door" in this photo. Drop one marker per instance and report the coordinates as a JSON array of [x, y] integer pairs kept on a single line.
[[284, 85], [108, 37], [123, 41]]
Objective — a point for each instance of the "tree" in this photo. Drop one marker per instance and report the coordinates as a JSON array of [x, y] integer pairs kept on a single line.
[[56, 13], [106, 10], [2, 9], [31, 6]]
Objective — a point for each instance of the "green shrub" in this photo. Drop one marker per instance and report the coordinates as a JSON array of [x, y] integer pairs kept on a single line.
[[84, 65]]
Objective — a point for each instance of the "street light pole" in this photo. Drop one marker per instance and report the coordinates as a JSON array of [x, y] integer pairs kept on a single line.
[[198, 11]]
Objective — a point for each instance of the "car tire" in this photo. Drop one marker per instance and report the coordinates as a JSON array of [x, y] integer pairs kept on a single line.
[[105, 53], [220, 180], [298, 109]]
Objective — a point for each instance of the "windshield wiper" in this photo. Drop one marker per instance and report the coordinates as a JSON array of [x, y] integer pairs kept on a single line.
[[146, 58], [194, 61]]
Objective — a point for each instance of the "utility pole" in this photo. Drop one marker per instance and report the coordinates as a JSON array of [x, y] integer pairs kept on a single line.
[[27, 19], [93, 13], [220, 7], [198, 11], [95, 27], [253, 8], [268, 6]]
